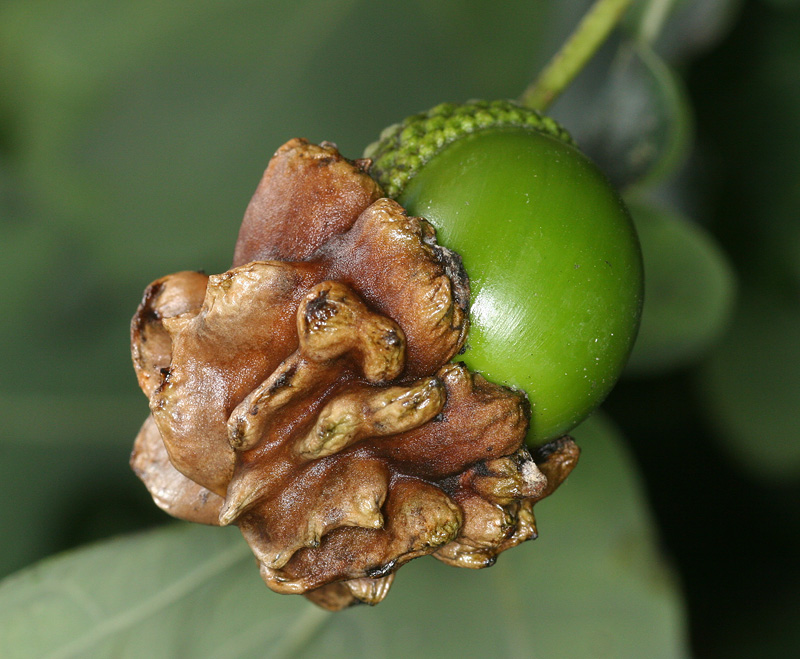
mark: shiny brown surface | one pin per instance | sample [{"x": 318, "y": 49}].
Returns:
[{"x": 307, "y": 194}]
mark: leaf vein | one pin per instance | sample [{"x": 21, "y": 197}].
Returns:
[{"x": 148, "y": 607}]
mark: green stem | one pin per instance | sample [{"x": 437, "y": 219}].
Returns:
[
  {"x": 653, "y": 18},
  {"x": 590, "y": 34}
]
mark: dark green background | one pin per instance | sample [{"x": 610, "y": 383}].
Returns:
[{"x": 132, "y": 135}]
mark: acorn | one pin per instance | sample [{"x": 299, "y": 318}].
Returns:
[{"x": 553, "y": 259}]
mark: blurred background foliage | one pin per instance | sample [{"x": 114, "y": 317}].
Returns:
[{"x": 132, "y": 135}]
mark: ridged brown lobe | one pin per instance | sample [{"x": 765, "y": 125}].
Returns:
[
  {"x": 171, "y": 490},
  {"x": 307, "y": 394},
  {"x": 308, "y": 194}
]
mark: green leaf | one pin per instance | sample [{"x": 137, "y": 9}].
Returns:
[
  {"x": 59, "y": 499},
  {"x": 751, "y": 386},
  {"x": 639, "y": 127},
  {"x": 593, "y": 583},
  {"x": 689, "y": 291},
  {"x": 692, "y": 26}
]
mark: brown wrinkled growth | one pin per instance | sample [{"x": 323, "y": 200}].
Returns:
[{"x": 307, "y": 395}]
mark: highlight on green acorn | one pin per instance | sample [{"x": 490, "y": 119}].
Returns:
[{"x": 553, "y": 258}]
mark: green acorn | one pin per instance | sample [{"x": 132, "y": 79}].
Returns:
[{"x": 553, "y": 259}]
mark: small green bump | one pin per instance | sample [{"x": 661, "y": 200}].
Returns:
[
  {"x": 436, "y": 123},
  {"x": 427, "y": 150},
  {"x": 450, "y": 133},
  {"x": 484, "y": 118}
]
